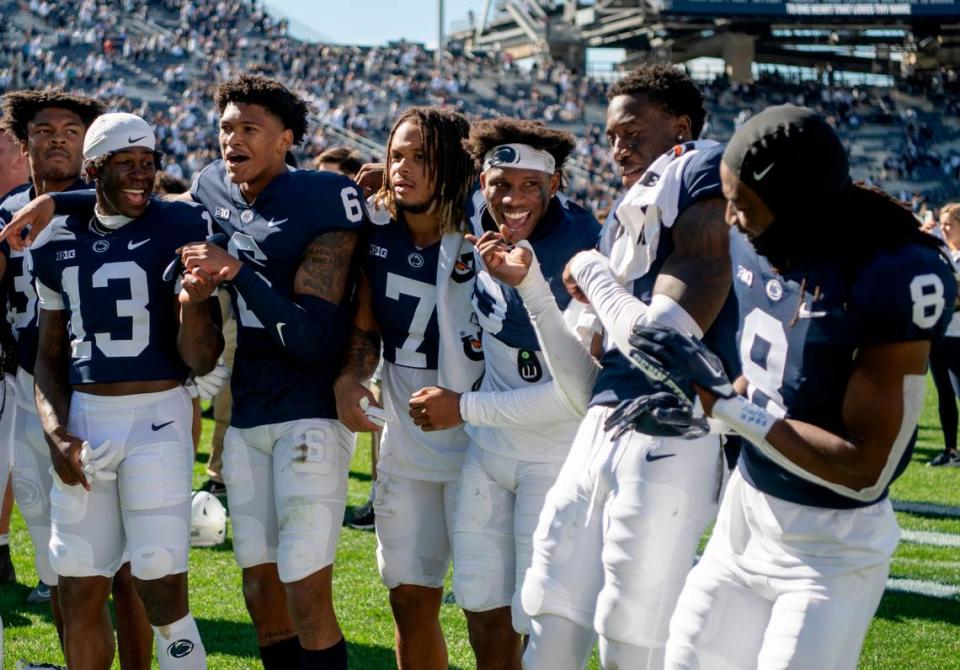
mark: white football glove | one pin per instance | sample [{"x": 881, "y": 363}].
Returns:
[
  {"x": 210, "y": 384},
  {"x": 96, "y": 462},
  {"x": 376, "y": 415}
]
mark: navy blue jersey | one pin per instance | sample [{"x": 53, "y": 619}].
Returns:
[
  {"x": 270, "y": 384},
  {"x": 403, "y": 279},
  {"x": 800, "y": 331},
  {"x": 565, "y": 229},
  {"x": 618, "y": 379},
  {"x": 18, "y": 280},
  {"x": 123, "y": 318}
]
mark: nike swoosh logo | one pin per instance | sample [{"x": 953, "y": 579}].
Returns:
[
  {"x": 650, "y": 458},
  {"x": 806, "y": 313},
  {"x": 715, "y": 371},
  {"x": 271, "y": 223},
  {"x": 760, "y": 175},
  {"x": 280, "y": 326},
  {"x": 131, "y": 245},
  {"x": 134, "y": 140},
  {"x": 156, "y": 427}
]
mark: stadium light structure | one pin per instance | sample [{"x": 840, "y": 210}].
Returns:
[{"x": 438, "y": 57}]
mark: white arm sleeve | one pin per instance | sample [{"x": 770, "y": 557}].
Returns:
[
  {"x": 48, "y": 298},
  {"x": 523, "y": 408},
  {"x": 573, "y": 368},
  {"x": 619, "y": 311}
]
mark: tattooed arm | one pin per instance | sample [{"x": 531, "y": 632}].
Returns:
[
  {"x": 304, "y": 323},
  {"x": 697, "y": 275},
  {"x": 360, "y": 359}
]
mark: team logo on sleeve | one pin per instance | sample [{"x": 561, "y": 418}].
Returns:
[
  {"x": 463, "y": 269},
  {"x": 472, "y": 346},
  {"x": 528, "y": 366}
]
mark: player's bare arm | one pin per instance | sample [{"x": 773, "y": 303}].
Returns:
[
  {"x": 697, "y": 274},
  {"x": 53, "y": 391},
  {"x": 360, "y": 359},
  {"x": 326, "y": 265},
  {"x": 199, "y": 339},
  {"x": 877, "y": 380}
]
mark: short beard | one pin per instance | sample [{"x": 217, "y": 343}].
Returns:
[
  {"x": 59, "y": 175},
  {"x": 416, "y": 209}
]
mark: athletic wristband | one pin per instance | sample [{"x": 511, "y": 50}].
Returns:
[{"x": 747, "y": 419}]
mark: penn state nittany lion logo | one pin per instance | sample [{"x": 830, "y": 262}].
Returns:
[
  {"x": 504, "y": 155},
  {"x": 180, "y": 648}
]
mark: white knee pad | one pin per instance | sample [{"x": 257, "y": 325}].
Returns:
[
  {"x": 250, "y": 546},
  {"x": 151, "y": 562},
  {"x": 71, "y": 556}
]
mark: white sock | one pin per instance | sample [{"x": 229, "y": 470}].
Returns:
[
  {"x": 4, "y": 539},
  {"x": 179, "y": 646}
]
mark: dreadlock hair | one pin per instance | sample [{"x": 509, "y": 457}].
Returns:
[
  {"x": 490, "y": 133},
  {"x": 666, "y": 86},
  {"x": 875, "y": 220},
  {"x": 255, "y": 89},
  {"x": 441, "y": 133},
  {"x": 20, "y": 108}
]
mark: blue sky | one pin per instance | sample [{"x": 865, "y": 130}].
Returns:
[{"x": 374, "y": 21}]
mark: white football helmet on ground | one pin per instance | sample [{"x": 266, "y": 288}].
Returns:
[{"x": 208, "y": 520}]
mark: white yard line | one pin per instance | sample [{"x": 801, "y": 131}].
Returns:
[
  {"x": 923, "y": 588},
  {"x": 930, "y": 537}
]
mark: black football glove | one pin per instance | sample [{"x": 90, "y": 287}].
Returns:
[
  {"x": 659, "y": 414},
  {"x": 669, "y": 352}
]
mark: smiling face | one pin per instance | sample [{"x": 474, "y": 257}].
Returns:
[
  {"x": 518, "y": 198},
  {"x": 745, "y": 209},
  {"x": 950, "y": 225},
  {"x": 253, "y": 143},
  {"x": 413, "y": 187},
  {"x": 639, "y": 131},
  {"x": 125, "y": 182},
  {"x": 55, "y": 144}
]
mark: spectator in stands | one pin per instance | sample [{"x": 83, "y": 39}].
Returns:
[{"x": 341, "y": 160}]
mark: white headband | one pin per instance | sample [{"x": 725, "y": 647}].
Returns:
[{"x": 521, "y": 157}]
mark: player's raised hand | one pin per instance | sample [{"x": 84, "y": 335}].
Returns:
[
  {"x": 34, "y": 217},
  {"x": 506, "y": 262},
  {"x": 660, "y": 414},
  {"x": 570, "y": 283},
  {"x": 66, "y": 455},
  {"x": 215, "y": 261},
  {"x": 370, "y": 177},
  {"x": 681, "y": 357},
  {"x": 354, "y": 404},
  {"x": 435, "y": 408}
]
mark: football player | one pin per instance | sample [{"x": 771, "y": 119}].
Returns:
[
  {"x": 519, "y": 422},
  {"x": 414, "y": 297},
  {"x": 619, "y": 529},
  {"x": 49, "y": 126},
  {"x": 114, "y": 347},
  {"x": 292, "y": 235},
  {"x": 834, "y": 341}
]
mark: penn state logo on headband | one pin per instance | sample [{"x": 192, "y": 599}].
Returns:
[{"x": 520, "y": 156}]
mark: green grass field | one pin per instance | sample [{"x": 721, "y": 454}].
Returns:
[{"x": 911, "y": 630}]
